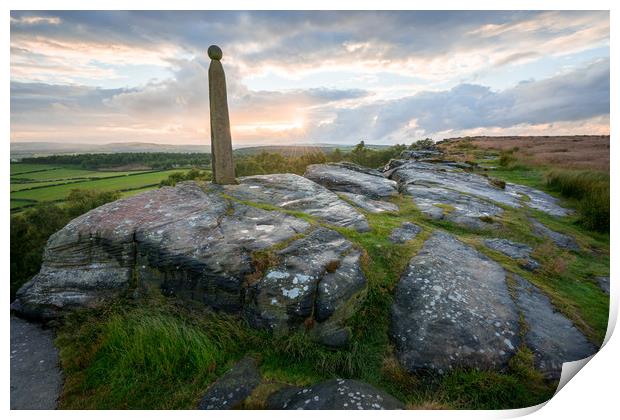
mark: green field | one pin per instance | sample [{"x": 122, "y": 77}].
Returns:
[
  {"x": 67, "y": 173},
  {"x": 34, "y": 183},
  {"x": 21, "y": 168}
]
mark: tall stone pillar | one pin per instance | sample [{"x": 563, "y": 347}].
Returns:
[{"x": 221, "y": 145}]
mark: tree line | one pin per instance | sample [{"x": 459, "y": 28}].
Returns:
[{"x": 154, "y": 160}]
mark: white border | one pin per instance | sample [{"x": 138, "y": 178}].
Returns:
[{"x": 591, "y": 395}]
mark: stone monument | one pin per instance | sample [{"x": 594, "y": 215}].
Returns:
[{"x": 221, "y": 145}]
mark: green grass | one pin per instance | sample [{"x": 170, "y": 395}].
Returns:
[
  {"x": 59, "y": 192},
  {"x": 590, "y": 189},
  {"x": 143, "y": 357}
]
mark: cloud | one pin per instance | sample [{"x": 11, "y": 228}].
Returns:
[
  {"x": 579, "y": 95},
  {"x": 427, "y": 44},
  {"x": 306, "y": 76}
]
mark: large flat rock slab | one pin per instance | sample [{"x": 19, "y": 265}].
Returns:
[
  {"x": 36, "y": 378},
  {"x": 538, "y": 200},
  {"x": 335, "y": 394},
  {"x": 551, "y": 336},
  {"x": 445, "y": 204},
  {"x": 445, "y": 176},
  {"x": 348, "y": 178},
  {"x": 195, "y": 242},
  {"x": 449, "y": 177},
  {"x": 368, "y": 204},
  {"x": 452, "y": 308},
  {"x": 294, "y": 192}
]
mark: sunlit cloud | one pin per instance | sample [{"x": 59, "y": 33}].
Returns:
[{"x": 331, "y": 77}]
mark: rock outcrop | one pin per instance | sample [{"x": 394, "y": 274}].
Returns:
[
  {"x": 196, "y": 242},
  {"x": 352, "y": 179},
  {"x": 294, "y": 192},
  {"x": 463, "y": 209},
  {"x": 452, "y": 308},
  {"x": 318, "y": 278},
  {"x": 473, "y": 200},
  {"x": 368, "y": 204},
  {"x": 272, "y": 249}
]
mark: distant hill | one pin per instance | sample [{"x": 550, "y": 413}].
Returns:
[{"x": 36, "y": 149}]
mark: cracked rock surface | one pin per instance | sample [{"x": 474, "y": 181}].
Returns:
[
  {"x": 454, "y": 307},
  {"x": 319, "y": 276},
  {"x": 440, "y": 203},
  {"x": 368, "y": 204}
]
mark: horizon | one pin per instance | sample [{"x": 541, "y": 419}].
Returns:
[{"x": 381, "y": 77}]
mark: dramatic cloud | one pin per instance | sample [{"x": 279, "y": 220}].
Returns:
[{"x": 307, "y": 76}]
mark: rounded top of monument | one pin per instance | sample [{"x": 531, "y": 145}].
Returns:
[{"x": 215, "y": 52}]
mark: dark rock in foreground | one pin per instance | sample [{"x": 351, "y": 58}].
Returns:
[
  {"x": 335, "y": 394},
  {"x": 231, "y": 389},
  {"x": 551, "y": 336},
  {"x": 452, "y": 308},
  {"x": 345, "y": 178},
  {"x": 514, "y": 250}
]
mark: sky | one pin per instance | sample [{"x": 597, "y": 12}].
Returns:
[{"x": 308, "y": 77}]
